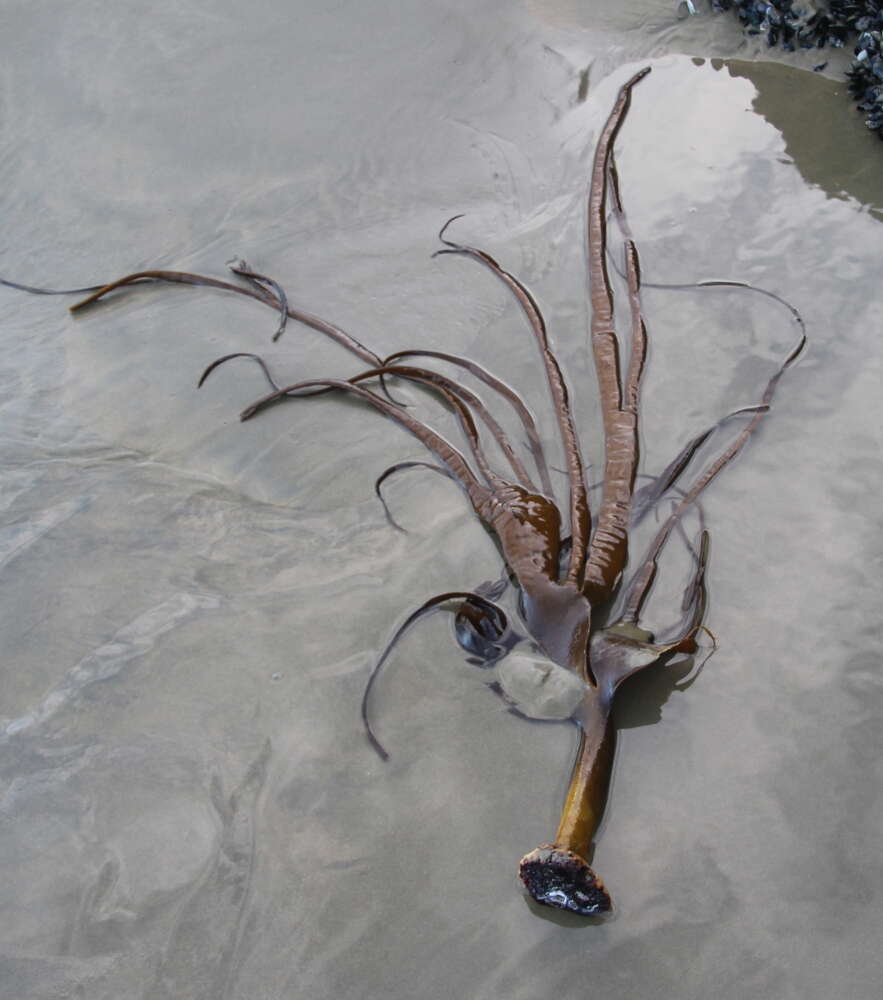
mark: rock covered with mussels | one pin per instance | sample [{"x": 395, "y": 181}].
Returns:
[{"x": 836, "y": 23}]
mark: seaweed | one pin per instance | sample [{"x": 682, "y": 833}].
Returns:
[{"x": 580, "y": 591}]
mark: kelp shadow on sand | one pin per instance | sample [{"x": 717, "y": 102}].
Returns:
[{"x": 577, "y": 633}]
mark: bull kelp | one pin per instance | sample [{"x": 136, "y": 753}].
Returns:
[{"x": 581, "y": 591}]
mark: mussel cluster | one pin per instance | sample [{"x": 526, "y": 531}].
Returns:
[
  {"x": 866, "y": 73},
  {"x": 777, "y": 18},
  {"x": 835, "y": 23}
]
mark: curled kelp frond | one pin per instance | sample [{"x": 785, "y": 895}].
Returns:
[
  {"x": 261, "y": 281},
  {"x": 392, "y": 470},
  {"x": 492, "y": 611},
  {"x": 239, "y": 354}
]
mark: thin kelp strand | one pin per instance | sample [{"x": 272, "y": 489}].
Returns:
[
  {"x": 688, "y": 286},
  {"x": 239, "y": 354},
  {"x": 649, "y": 495},
  {"x": 49, "y": 291},
  {"x": 241, "y": 267},
  {"x": 640, "y": 586},
  {"x": 264, "y": 367},
  {"x": 739, "y": 443},
  {"x": 521, "y": 474},
  {"x": 519, "y": 470},
  {"x": 456, "y": 396},
  {"x": 425, "y": 608},
  {"x": 725, "y": 283},
  {"x": 580, "y": 519},
  {"x": 337, "y": 334},
  {"x": 530, "y": 429},
  {"x": 400, "y": 467},
  {"x": 636, "y": 592},
  {"x": 255, "y": 292},
  {"x": 638, "y": 350},
  {"x": 468, "y": 397},
  {"x": 616, "y": 194},
  {"x": 430, "y": 438},
  {"x": 451, "y": 393},
  {"x": 695, "y": 598}
]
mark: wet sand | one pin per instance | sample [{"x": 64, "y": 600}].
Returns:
[{"x": 190, "y": 605}]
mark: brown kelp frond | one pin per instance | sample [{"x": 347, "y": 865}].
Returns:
[
  {"x": 527, "y": 525},
  {"x": 426, "y": 435},
  {"x": 730, "y": 283},
  {"x": 638, "y": 588},
  {"x": 263, "y": 289},
  {"x": 239, "y": 354},
  {"x": 173, "y": 277},
  {"x": 608, "y": 552},
  {"x": 49, "y": 291},
  {"x": 337, "y": 334},
  {"x": 265, "y": 284},
  {"x": 604, "y": 341},
  {"x": 721, "y": 283},
  {"x": 399, "y": 467},
  {"x": 426, "y": 375},
  {"x": 509, "y": 394},
  {"x": 742, "y": 438},
  {"x": 434, "y": 602},
  {"x": 256, "y": 291},
  {"x": 457, "y": 397},
  {"x": 264, "y": 367},
  {"x": 649, "y": 495},
  {"x": 580, "y": 520},
  {"x": 240, "y": 267}
]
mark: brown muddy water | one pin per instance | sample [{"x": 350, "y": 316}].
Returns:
[{"x": 190, "y": 605}]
